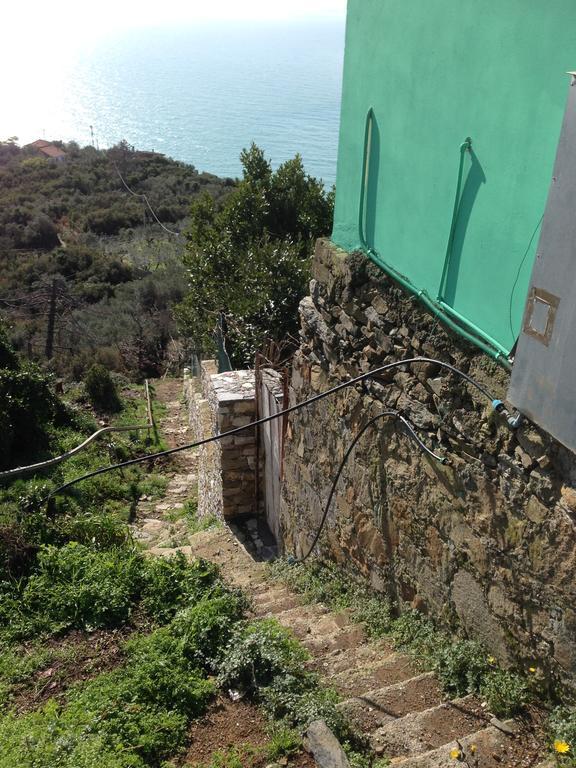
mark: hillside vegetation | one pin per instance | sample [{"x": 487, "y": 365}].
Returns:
[
  {"x": 72, "y": 238},
  {"x": 89, "y": 274}
]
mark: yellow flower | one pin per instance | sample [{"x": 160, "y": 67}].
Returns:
[
  {"x": 533, "y": 670},
  {"x": 491, "y": 660},
  {"x": 562, "y": 747},
  {"x": 472, "y": 749},
  {"x": 455, "y": 753}
]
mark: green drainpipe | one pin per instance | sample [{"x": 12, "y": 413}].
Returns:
[{"x": 472, "y": 334}]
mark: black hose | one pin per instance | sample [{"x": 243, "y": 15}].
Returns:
[
  {"x": 411, "y": 433},
  {"x": 264, "y": 420}
]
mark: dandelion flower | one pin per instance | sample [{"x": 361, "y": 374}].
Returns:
[
  {"x": 562, "y": 747},
  {"x": 455, "y": 753},
  {"x": 472, "y": 749},
  {"x": 491, "y": 660},
  {"x": 533, "y": 670}
]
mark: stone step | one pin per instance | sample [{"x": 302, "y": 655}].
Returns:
[
  {"x": 278, "y": 603},
  {"x": 419, "y": 732},
  {"x": 375, "y": 708},
  {"x": 385, "y": 670},
  {"x": 350, "y": 637},
  {"x": 487, "y": 747},
  {"x": 341, "y": 659}
]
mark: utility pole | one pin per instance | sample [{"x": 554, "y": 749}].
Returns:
[{"x": 51, "y": 322}]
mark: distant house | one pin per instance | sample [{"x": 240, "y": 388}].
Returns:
[{"x": 47, "y": 149}]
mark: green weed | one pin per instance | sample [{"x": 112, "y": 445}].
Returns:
[
  {"x": 265, "y": 660},
  {"x": 283, "y": 741},
  {"x": 138, "y": 714},
  {"x": 507, "y": 693},
  {"x": 462, "y": 666},
  {"x": 195, "y": 524},
  {"x": 562, "y": 731}
]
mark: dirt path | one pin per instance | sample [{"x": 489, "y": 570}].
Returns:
[{"x": 401, "y": 710}]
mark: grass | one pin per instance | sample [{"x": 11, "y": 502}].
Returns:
[
  {"x": 462, "y": 666},
  {"x": 189, "y": 513},
  {"x": 138, "y": 714}
]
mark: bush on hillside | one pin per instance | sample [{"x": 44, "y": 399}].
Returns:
[
  {"x": 28, "y": 408},
  {"x": 101, "y": 390}
]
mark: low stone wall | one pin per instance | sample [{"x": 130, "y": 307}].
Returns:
[
  {"x": 488, "y": 542},
  {"x": 217, "y": 403}
]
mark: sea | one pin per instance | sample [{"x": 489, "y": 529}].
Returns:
[{"x": 199, "y": 94}]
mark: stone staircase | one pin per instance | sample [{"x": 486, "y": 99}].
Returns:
[{"x": 401, "y": 710}]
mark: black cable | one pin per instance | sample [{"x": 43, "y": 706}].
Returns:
[
  {"x": 411, "y": 433},
  {"x": 264, "y": 420}
]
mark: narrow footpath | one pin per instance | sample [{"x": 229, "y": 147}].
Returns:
[{"x": 402, "y": 710}]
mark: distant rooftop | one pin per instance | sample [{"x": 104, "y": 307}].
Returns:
[{"x": 48, "y": 149}]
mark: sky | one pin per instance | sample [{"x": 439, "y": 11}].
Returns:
[
  {"x": 35, "y": 31},
  {"x": 28, "y": 17}
]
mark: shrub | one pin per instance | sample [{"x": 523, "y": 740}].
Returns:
[
  {"x": 101, "y": 389},
  {"x": 76, "y": 586},
  {"x": 461, "y": 665},
  {"x": 259, "y": 652},
  {"x": 506, "y": 693},
  {"x": 28, "y": 407},
  {"x": 207, "y": 627},
  {"x": 171, "y": 583}
]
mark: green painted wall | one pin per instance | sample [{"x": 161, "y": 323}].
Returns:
[{"x": 436, "y": 72}]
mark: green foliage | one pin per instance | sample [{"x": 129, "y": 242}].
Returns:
[
  {"x": 259, "y": 652},
  {"x": 329, "y": 584},
  {"x": 506, "y": 693},
  {"x": 283, "y": 741},
  {"x": 138, "y": 714},
  {"x": 134, "y": 716},
  {"x": 171, "y": 583},
  {"x": 28, "y": 408},
  {"x": 101, "y": 389},
  {"x": 462, "y": 666},
  {"x": 562, "y": 728},
  {"x": 230, "y": 758},
  {"x": 72, "y": 586},
  {"x": 264, "y": 659},
  {"x": 359, "y": 759},
  {"x": 118, "y": 270},
  {"x": 249, "y": 256},
  {"x": 189, "y": 512}
]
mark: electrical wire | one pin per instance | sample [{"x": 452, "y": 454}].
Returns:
[
  {"x": 265, "y": 419},
  {"x": 384, "y": 414},
  {"x": 520, "y": 265},
  {"x": 142, "y": 196}
]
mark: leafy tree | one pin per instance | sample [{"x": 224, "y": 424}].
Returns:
[{"x": 249, "y": 257}]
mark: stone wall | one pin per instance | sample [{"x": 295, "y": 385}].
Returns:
[
  {"x": 217, "y": 403},
  {"x": 487, "y": 543}
]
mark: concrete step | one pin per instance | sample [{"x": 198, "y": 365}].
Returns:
[
  {"x": 419, "y": 732},
  {"x": 375, "y": 708},
  {"x": 487, "y": 747}
]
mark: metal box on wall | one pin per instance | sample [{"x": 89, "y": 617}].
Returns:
[{"x": 543, "y": 381}]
